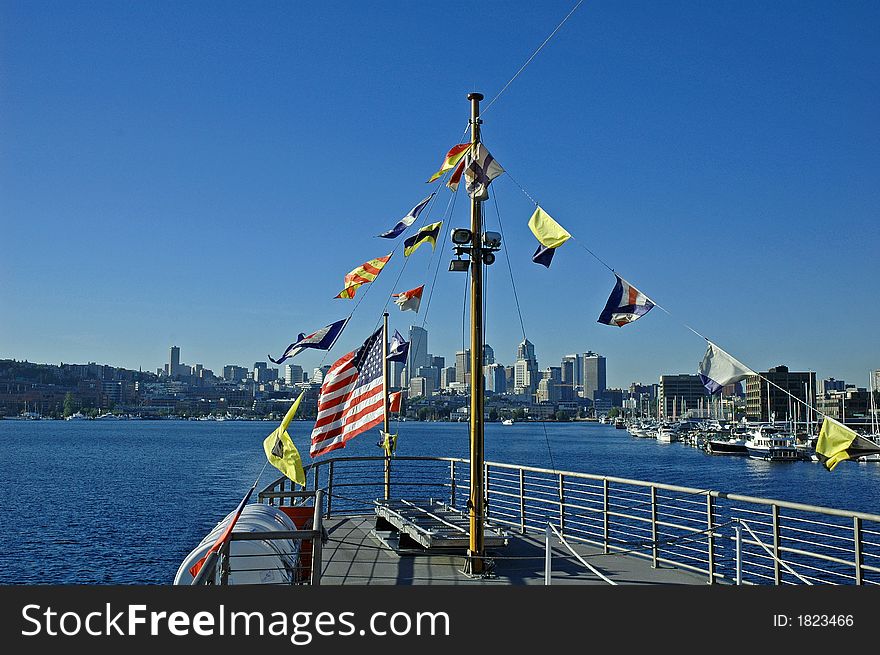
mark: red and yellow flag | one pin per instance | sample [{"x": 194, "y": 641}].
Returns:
[
  {"x": 366, "y": 272},
  {"x": 452, "y": 158}
]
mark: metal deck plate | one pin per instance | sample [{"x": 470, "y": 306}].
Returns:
[{"x": 433, "y": 524}]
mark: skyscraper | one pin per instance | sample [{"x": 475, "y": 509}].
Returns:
[
  {"x": 525, "y": 369},
  {"x": 594, "y": 374},
  {"x": 174, "y": 365},
  {"x": 463, "y": 366},
  {"x": 417, "y": 357},
  {"x": 488, "y": 355}
]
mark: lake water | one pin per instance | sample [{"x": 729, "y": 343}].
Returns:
[{"x": 122, "y": 502}]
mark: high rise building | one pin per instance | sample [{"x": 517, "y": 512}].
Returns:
[
  {"x": 574, "y": 362},
  {"x": 293, "y": 374},
  {"x": 594, "y": 374},
  {"x": 174, "y": 365},
  {"x": 765, "y": 399},
  {"x": 419, "y": 386},
  {"x": 488, "y": 354},
  {"x": 447, "y": 376},
  {"x": 319, "y": 373},
  {"x": 463, "y": 366},
  {"x": 418, "y": 351},
  {"x": 496, "y": 379},
  {"x": 525, "y": 369}
]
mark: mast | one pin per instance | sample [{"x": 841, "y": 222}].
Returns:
[
  {"x": 476, "y": 552},
  {"x": 385, "y": 388}
]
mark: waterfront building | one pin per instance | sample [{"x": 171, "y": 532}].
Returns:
[
  {"x": 594, "y": 374},
  {"x": 851, "y": 406},
  {"x": 831, "y": 385},
  {"x": 679, "y": 394},
  {"x": 764, "y": 401}
]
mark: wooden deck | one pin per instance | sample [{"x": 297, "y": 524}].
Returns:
[{"x": 355, "y": 555}]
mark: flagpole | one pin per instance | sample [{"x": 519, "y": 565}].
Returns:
[
  {"x": 385, "y": 387},
  {"x": 476, "y": 564}
]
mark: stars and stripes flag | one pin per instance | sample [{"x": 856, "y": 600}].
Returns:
[
  {"x": 352, "y": 397},
  {"x": 625, "y": 304},
  {"x": 366, "y": 272}
]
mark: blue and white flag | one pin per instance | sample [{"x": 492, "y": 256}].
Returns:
[
  {"x": 625, "y": 304},
  {"x": 398, "y": 348},
  {"x": 718, "y": 369},
  {"x": 407, "y": 220},
  {"x": 323, "y": 339}
]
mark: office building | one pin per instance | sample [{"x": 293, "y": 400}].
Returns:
[
  {"x": 594, "y": 374},
  {"x": 679, "y": 394},
  {"x": 174, "y": 366},
  {"x": 463, "y": 366},
  {"x": 767, "y": 400}
]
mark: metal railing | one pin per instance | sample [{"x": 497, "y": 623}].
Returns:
[
  {"x": 291, "y": 563},
  {"x": 698, "y": 530}
]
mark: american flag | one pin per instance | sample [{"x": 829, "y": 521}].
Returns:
[{"x": 352, "y": 397}]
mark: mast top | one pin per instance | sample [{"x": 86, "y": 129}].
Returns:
[{"x": 475, "y": 96}]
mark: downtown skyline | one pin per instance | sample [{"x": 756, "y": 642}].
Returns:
[{"x": 162, "y": 190}]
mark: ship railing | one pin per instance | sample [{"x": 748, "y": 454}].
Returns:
[
  {"x": 296, "y": 555},
  {"x": 699, "y": 530}
]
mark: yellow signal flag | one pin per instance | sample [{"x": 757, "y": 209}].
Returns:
[
  {"x": 451, "y": 159},
  {"x": 281, "y": 452},
  {"x": 550, "y": 233},
  {"x": 837, "y": 442}
]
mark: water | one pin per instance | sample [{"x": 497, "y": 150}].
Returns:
[{"x": 122, "y": 502}]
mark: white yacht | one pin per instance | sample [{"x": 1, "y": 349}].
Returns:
[{"x": 772, "y": 444}]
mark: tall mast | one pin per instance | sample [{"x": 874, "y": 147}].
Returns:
[
  {"x": 476, "y": 565},
  {"x": 385, "y": 387}
]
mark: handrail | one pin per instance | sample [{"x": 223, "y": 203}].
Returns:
[
  {"x": 830, "y": 511},
  {"x": 650, "y": 520}
]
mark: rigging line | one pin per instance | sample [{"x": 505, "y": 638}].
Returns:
[
  {"x": 534, "y": 54},
  {"x": 510, "y": 269},
  {"x": 439, "y": 261}
]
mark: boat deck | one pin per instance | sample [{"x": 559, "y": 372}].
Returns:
[{"x": 356, "y": 555}]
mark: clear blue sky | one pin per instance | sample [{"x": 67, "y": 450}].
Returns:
[{"x": 204, "y": 174}]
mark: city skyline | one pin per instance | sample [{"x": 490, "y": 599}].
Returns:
[{"x": 159, "y": 189}]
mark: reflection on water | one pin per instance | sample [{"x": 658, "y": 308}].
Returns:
[{"x": 123, "y": 502}]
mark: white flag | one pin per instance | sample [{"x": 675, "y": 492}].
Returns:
[
  {"x": 718, "y": 369},
  {"x": 479, "y": 170}
]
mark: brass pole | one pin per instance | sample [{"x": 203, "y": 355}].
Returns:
[
  {"x": 477, "y": 494},
  {"x": 385, "y": 387}
]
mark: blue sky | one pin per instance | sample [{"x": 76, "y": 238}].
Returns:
[{"x": 204, "y": 174}]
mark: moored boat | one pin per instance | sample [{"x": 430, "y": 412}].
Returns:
[{"x": 772, "y": 444}]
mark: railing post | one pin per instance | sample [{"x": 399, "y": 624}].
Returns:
[
  {"x": 605, "y": 514},
  {"x": 710, "y": 537},
  {"x": 654, "y": 549},
  {"x": 777, "y": 571},
  {"x": 315, "y": 477},
  {"x": 224, "y": 562},
  {"x": 739, "y": 563},
  {"x": 547, "y": 555},
  {"x": 486, "y": 489},
  {"x": 857, "y": 541},
  {"x": 561, "y": 503},
  {"x": 452, "y": 484},
  {"x": 317, "y": 544},
  {"x": 522, "y": 501},
  {"x": 330, "y": 489}
]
